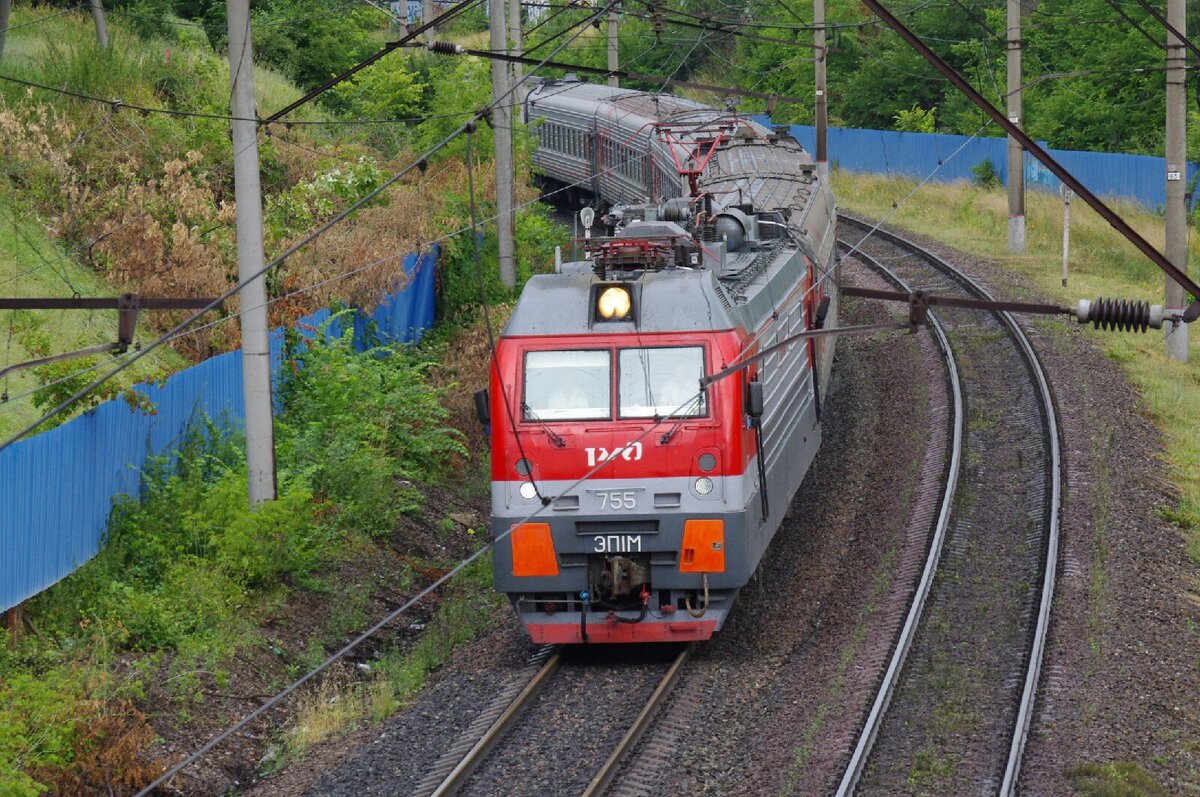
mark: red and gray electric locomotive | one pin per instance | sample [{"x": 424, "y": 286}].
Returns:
[{"x": 658, "y": 489}]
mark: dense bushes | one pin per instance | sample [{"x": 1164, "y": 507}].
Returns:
[
  {"x": 358, "y": 424},
  {"x": 190, "y": 571}
]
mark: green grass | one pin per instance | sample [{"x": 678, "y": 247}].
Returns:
[
  {"x": 1102, "y": 263},
  {"x": 1115, "y": 779},
  {"x": 340, "y": 702},
  {"x": 32, "y": 265},
  {"x": 41, "y": 51}
]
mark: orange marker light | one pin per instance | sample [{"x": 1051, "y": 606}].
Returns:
[
  {"x": 533, "y": 550},
  {"x": 703, "y": 547}
]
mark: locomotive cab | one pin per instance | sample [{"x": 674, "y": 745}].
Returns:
[
  {"x": 643, "y": 453},
  {"x": 625, "y": 480}
]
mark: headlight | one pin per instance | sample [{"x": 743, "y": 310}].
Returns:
[
  {"x": 704, "y": 485},
  {"x": 614, "y": 303},
  {"x": 528, "y": 491}
]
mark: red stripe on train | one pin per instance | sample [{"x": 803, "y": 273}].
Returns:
[{"x": 605, "y": 632}]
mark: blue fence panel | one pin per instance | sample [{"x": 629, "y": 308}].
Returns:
[
  {"x": 58, "y": 487},
  {"x": 946, "y": 158},
  {"x": 403, "y": 319}
]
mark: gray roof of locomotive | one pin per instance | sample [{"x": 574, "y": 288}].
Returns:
[{"x": 773, "y": 171}]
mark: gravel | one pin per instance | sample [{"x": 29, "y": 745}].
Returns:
[{"x": 762, "y": 708}]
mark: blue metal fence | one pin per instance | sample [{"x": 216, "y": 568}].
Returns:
[
  {"x": 948, "y": 158},
  {"x": 58, "y": 487}
]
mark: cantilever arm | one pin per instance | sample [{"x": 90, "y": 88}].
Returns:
[{"x": 53, "y": 358}]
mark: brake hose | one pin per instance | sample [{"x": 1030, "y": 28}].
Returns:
[{"x": 687, "y": 602}]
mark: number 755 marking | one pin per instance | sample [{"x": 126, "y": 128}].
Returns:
[{"x": 613, "y": 500}]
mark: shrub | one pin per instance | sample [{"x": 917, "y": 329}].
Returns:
[
  {"x": 312, "y": 40},
  {"x": 355, "y": 423},
  {"x": 915, "y": 120},
  {"x": 983, "y": 174},
  {"x": 292, "y": 212}
]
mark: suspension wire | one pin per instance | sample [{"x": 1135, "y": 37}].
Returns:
[
  {"x": 827, "y": 274},
  {"x": 118, "y": 105},
  {"x": 304, "y": 241},
  {"x": 257, "y": 26},
  {"x": 1170, "y": 28},
  {"x": 43, "y": 19},
  {"x": 545, "y": 501},
  {"x": 46, "y": 262},
  {"x": 387, "y": 619},
  {"x": 334, "y": 278},
  {"x": 896, "y": 205}
]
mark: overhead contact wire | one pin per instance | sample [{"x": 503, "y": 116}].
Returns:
[
  {"x": 175, "y": 770},
  {"x": 423, "y": 159}
]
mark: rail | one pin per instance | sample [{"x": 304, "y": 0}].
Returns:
[
  {"x": 1024, "y": 714},
  {"x": 862, "y": 749},
  {"x": 458, "y": 775},
  {"x": 609, "y": 770}
]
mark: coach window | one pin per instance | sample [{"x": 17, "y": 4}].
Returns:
[
  {"x": 661, "y": 382},
  {"x": 568, "y": 385}
]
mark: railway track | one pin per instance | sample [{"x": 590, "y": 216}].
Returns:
[
  {"x": 502, "y": 719},
  {"x": 990, "y": 760},
  {"x": 929, "y": 725}
]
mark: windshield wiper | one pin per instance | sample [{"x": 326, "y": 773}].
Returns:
[
  {"x": 553, "y": 435},
  {"x": 685, "y": 411}
]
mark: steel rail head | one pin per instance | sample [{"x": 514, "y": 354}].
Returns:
[
  {"x": 475, "y": 756},
  {"x": 866, "y": 740},
  {"x": 608, "y": 771},
  {"x": 1024, "y": 716}
]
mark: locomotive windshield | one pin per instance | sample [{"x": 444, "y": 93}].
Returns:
[
  {"x": 567, "y": 385},
  {"x": 576, "y": 384},
  {"x": 660, "y": 382}
]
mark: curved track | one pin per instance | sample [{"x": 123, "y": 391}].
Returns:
[
  {"x": 858, "y": 758},
  {"x": 1029, "y": 588}
]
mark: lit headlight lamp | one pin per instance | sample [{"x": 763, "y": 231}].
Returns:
[{"x": 613, "y": 302}]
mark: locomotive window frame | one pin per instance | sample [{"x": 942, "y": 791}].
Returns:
[
  {"x": 567, "y": 395},
  {"x": 661, "y": 409}
]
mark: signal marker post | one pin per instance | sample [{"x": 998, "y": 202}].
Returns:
[{"x": 256, "y": 352}]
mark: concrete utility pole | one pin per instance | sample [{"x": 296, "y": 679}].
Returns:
[
  {"x": 101, "y": 23},
  {"x": 256, "y": 352},
  {"x": 613, "y": 53},
  {"x": 1177, "y": 229},
  {"x": 819, "y": 55},
  {"x": 514, "y": 36},
  {"x": 5, "y": 12},
  {"x": 502, "y": 130},
  {"x": 1016, "y": 160},
  {"x": 427, "y": 16}
]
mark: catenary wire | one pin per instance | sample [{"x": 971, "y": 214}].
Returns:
[
  {"x": 42, "y": 19},
  {"x": 446, "y": 16},
  {"x": 166, "y": 776},
  {"x": 343, "y": 275},
  {"x": 320, "y": 230}
]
